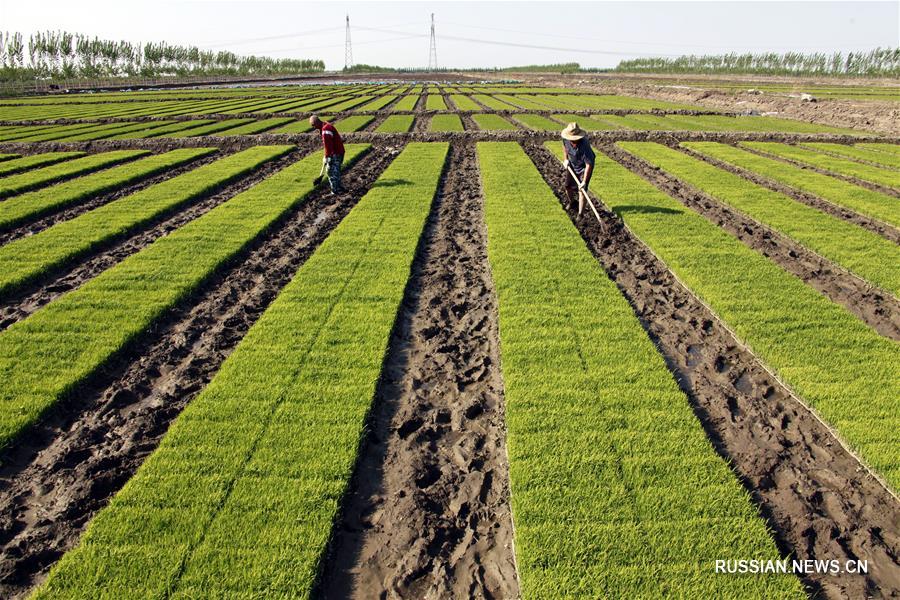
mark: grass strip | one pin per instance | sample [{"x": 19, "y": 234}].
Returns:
[
  {"x": 34, "y": 161},
  {"x": 493, "y": 122},
  {"x": 445, "y": 123},
  {"x": 406, "y": 103},
  {"x": 493, "y": 102},
  {"x": 348, "y": 104},
  {"x": 860, "y": 251},
  {"x": 396, "y": 124},
  {"x": 5, "y": 157},
  {"x": 885, "y": 159},
  {"x": 590, "y": 123},
  {"x": 435, "y": 102},
  {"x": 818, "y": 347},
  {"x": 615, "y": 489},
  {"x": 892, "y": 148},
  {"x": 214, "y": 128},
  {"x": 842, "y": 193},
  {"x": 378, "y": 103},
  {"x": 538, "y": 122},
  {"x": 240, "y": 496},
  {"x": 49, "y": 133},
  {"x": 145, "y": 130},
  {"x": 353, "y": 123},
  {"x": 45, "y": 356},
  {"x": 521, "y": 102},
  {"x": 840, "y": 166},
  {"x": 463, "y": 102},
  {"x": 22, "y": 182},
  {"x": 258, "y": 126},
  {"x": 299, "y": 126},
  {"x": 110, "y": 131},
  {"x": 32, "y": 205},
  {"x": 26, "y": 259}
]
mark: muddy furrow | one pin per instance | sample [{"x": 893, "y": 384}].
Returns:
[
  {"x": 877, "y": 308},
  {"x": 874, "y": 225},
  {"x": 875, "y": 187},
  {"x": 73, "y": 462},
  {"x": 376, "y": 123},
  {"x": 95, "y": 201},
  {"x": 469, "y": 123},
  {"x": 32, "y": 297},
  {"x": 419, "y": 126},
  {"x": 427, "y": 513},
  {"x": 817, "y": 497}
]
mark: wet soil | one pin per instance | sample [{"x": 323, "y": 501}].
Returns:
[
  {"x": 877, "y": 308},
  {"x": 819, "y": 500},
  {"x": 90, "y": 445},
  {"x": 427, "y": 515}
]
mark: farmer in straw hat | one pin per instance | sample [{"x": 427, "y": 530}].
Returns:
[{"x": 580, "y": 157}]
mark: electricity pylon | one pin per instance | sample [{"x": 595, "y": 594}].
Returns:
[
  {"x": 432, "y": 51},
  {"x": 348, "y": 50}
]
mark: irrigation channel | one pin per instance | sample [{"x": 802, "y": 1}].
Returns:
[{"x": 427, "y": 512}]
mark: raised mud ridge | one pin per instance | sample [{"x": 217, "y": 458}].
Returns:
[
  {"x": 817, "y": 497},
  {"x": 78, "y": 457},
  {"x": 427, "y": 515},
  {"x": 878, "y": 309}
]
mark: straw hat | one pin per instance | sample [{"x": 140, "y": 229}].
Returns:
[{"x": 573, "y": 132}]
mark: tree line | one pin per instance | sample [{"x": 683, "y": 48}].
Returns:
[
  {"x": 63, "y": 55},
  {"x": 880, "y": 62}
]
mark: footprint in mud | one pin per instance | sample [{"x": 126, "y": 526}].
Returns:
[
  {"x": 409, "y": 426},
  {"x": 428, "y": 478}
]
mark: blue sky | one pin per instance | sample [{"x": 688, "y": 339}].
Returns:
[{"x": 596, "y": 34}]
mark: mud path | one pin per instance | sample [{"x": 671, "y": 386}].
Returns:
[
  {"x": 874, "y": 225},
  {"x": 33, "y": 296},
  {"x": 427, "y": 515},
  {"x": 419, "y": 126},
  {"x": 817, "y": 497},
  {"x": 881, "y": 189},
  {"x": 87, "y": 448},
  {"x": 93, "y": 202},
  {"x": 877, "y": 308}
]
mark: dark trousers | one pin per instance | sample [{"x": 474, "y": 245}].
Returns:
[{"x": 333, "y": 164}]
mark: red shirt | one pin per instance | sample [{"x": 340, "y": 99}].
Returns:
[{"x": 332, "y": 140}]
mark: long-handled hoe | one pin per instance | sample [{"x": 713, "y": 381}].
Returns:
[
  {"x": 583, "y": 192},
  {"x": 318, "y": 179}
]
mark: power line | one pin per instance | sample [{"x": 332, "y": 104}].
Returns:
[
  {"x": 269, "y": 38},
  {"x": 517, "y": 45},
  {"x": 595, "y": 39}
]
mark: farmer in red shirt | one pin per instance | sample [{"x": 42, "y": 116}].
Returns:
[{"x": 334, "y": 152}]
